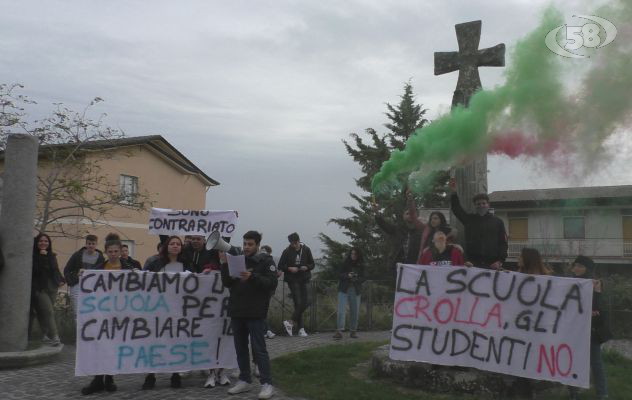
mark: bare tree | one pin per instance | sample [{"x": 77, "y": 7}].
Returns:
[{"x": 72, "y": 186}]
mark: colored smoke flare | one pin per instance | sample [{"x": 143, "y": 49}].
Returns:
[{"x": 534, "y": 114}]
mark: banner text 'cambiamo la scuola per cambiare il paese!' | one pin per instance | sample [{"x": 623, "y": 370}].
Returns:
[{"x": 138, "y": 322}]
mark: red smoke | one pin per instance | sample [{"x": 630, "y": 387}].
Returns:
[{"x": 514, "y": 144}]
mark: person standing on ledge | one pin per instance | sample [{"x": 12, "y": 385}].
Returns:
[
  {"x": 297, "y": 264},
  {"x": 485, "y": 236}
]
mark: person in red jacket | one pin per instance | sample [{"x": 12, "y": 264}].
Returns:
[{"x": 440, "y": 253}]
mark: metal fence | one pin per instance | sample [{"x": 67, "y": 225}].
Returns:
[
  {"x": 376, "y": 306},
  {"x": 376, "y": 309}
]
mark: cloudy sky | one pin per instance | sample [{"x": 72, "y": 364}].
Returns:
[{"x": 259, "y": 94}]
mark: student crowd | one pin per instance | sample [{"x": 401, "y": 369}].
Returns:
[{"x": 425, "y": 243}]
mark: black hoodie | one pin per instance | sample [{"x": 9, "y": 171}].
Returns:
[{"x": 75, "y": 263}]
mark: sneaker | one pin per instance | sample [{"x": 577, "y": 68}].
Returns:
[
  {"x": 353, "y": 335},
  {"x": 267, "y": 391},
  {"x": 270, "y": 334},
  {"x": 222, "y": 378},
  {"x": 338, "y": 335},
  {"x": 240, "y": 387},
  {"x": 210, "y": 381},
  {"x": 288, "y": 327},
  {"x": 235, "y": 374},
  {"x": 109, "y": 384},
  {"x": 176, "y": 381},
  {"x": 302, "y": 333},
  {"x": 46, "y": 340},
  {"x": 96, "y": 385},
  {"x": 150, "y": 382},
  {"x": 255, "y": 370},
  {"x": 55, "y": 341}
]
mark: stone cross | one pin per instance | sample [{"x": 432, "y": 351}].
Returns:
[{"x": 471, "y": 178}]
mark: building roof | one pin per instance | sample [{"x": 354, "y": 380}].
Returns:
[
  {"x": 156, "y": 143},
  {"x": 585, "y": 195}
]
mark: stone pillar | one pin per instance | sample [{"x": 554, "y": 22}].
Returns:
[{"x": 16, "y": 240}]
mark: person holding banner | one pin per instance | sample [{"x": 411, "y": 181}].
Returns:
[
  {"x": 46, "y": 279},
  {"x": 600, "y": 333},
  {"x": 85, "y": 258},
  {"x": 436, "y": 222},
  {"x": 297, "y": 262},
  {"x": 485, "y": 236},
  {"x": 247, "y": 305},
  {"x": 349, "y": 290},
  {"x": 530, "y": 262},
  {"x": 171, "y": 260},
  {"x": 113, "y": 247},
  {"x": 440, "y": 253}
]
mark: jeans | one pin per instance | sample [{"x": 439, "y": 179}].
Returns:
[
  {"x": 598, "y": 372},
  {"x": 354, "y": 309},
  {"x": 242, "y": 329},
  {"x": 298, "y": 290},
  {"x": 43, "y": 301},
  {"x": 74, "y": 297}
]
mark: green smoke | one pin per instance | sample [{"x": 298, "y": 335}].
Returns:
[{"x": 534, "y": 101}]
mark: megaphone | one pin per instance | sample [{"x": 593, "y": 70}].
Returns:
[{"x": 215, "y": 242}]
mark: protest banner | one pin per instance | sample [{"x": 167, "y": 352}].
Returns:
[
  {"x": 133, "y": 322},
  {"x": 533, "y": 326},
  {"x": 164, "y": 221}
]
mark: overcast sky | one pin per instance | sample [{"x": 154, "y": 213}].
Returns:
[{"x": 259, "y": 94}]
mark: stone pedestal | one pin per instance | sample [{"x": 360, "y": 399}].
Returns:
[{"x": 442, "y": 379}]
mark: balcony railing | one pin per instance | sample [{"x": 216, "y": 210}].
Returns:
[{"x": 607, "y": 248}]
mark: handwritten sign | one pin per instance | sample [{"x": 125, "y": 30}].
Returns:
[
  {"x": 531, "y": 326},
  {"x": 163, "y": 221},
  {"x": 131, "y": 322}
]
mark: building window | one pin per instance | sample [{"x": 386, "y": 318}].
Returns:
[
  {"x": 518, "y": 229},
  {"x": 574, "y": 227},
  {"x": 128, "y": 188}
]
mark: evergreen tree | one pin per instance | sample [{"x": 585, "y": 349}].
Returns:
[{"x": 379, "y": 248}]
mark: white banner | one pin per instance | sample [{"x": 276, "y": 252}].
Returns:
[
  {"x": 164, "y": 221},
  {"x": 532, "y": 326},
  {"x": 131, "y": 322}
]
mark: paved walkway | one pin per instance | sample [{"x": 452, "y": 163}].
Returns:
[{"x": 57, "y": 380}]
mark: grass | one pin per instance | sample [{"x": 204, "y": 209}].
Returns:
[{"x": 324, "y": 374}]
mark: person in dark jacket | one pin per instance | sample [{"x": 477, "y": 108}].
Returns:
[
  {"x": 197, "y": 257},
  {"x": 46, "y": 279},
  {"x": 485, "y": 236},
  {"x": 297, "y": 264},
  {"x": 113, "y": 263},
  {"x": 584, "y": 267},
  {"x": 440, "y": 253},
  {"x": 154, "y": 257},
  {"x": 269, "y": 333},
  {"x": 127, "y": 259},
  {"x": 351, "y": 277},
  {"x": 85, "y": 258},
  {"x": 247, "y": 306},
  {"x": 406, "y": 238}
]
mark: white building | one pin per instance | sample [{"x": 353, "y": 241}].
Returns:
[{"x": 566, "y": 222}]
